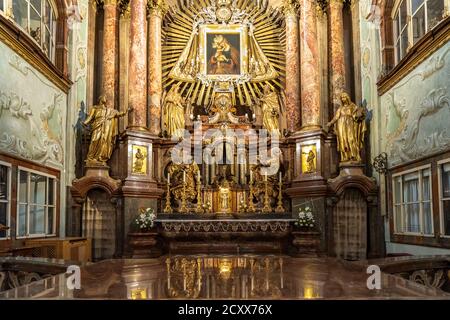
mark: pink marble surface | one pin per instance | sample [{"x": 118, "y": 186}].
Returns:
[
  {"x": 155, "y": 71},
  {"x": 310, "y": 86},
  {"x": 292, "y": 73},
  {"x": 137, "y": 99},
  {"x": 109, "y": 51},
  {"x": 337, "y": 59}
]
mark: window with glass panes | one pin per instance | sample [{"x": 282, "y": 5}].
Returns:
[
  {"x": 5, "y": 197},
  {"x": 444, "y": 185},
  {"x": 413, "y": 202},
  {"x": 38, "y": 19},
  {"x": 36, "y": 204},
  {"x": 414, "y": 18}
]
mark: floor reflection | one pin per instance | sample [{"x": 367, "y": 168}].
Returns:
[{"x": 222, "y": 277}]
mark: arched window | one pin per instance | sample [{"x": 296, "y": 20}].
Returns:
[
  {"x": 412, "y": 20},
  {"x": 37, "y": 18}
]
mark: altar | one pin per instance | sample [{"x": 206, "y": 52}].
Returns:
[{"x": 230, "y": 149}]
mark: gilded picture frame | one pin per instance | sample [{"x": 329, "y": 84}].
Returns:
[{"x": 223, "y": 52}]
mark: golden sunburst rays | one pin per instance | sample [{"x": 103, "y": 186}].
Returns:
[{"x": 268, "y": 30}]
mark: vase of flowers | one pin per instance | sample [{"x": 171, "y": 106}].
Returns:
[
  {"x": 143, "y": 241},
  {"x": 305, "y": 219},
  {"x": 305, "y": 237},
  {"x": 145, "y": 221}
]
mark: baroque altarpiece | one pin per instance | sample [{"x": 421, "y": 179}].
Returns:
[{"x": 222, "y": 116}]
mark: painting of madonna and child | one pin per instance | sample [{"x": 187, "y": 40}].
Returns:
[{"x": 223, "y": 53}]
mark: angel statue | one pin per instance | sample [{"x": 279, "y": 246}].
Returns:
[
  {"x": 350, "y": 127},
  {"x": 270, "y": 106},
  {"x": 173, "y": 105},
  {"x": 104, "y": 127}
]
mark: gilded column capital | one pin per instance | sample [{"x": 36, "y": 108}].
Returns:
[
  {"x": 124, "y": 8},
  {"x": 157, "y": 7},
  {"x": 291, "y": 7},
  {"x": 321, "y": 6}
]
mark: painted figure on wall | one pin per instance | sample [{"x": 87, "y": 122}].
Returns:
[
  {"x": 173, "y": 104},
  {"x": 104, "y": 130},
  {"x": 350, "y": 127},
  {"x": 270, "y": 106},
  {"x": 223, "y": 55}
]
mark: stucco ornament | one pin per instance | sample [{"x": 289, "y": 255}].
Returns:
[{"x": 27, "y": 137}]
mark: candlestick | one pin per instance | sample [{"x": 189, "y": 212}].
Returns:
[
  {"x": 251, "y": 205},
  {"x": 183, "y": 208},
  {"x": 168, "y": 208},
  {"x": 280, "y": 208},
  {"x": 199, "y": 208},
  {"x": 267, "y": 208}
]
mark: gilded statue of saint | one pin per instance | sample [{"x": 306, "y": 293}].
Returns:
[
  {"x": 350, "y": 127},
  {"x": 174, "y": 120},
  {"x": 104, "y": 127},
  {"x": 224, "y": 197},
  {"x": 271, "y": 109}
]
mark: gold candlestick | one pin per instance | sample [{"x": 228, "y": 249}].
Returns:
[
  {"x": 251, "y": 205},
  {"x": 280, "y": 208},
  {"x": 183, "y": 208},
  {"x": 199, "y": 196},
  {"x": 168, "y": 208},
  {"x": 267, "y": 208}
]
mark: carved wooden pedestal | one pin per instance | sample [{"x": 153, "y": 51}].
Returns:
[
  {"x": 305, "y": 243},
  {"x": 144, "y": 245}
]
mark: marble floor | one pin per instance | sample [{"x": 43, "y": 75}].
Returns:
[{"x": 224, "y": 277}]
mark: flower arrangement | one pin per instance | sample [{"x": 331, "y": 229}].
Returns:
[
  {"x": 146, "y": 219},
  {"x": 305, "y": 218}
]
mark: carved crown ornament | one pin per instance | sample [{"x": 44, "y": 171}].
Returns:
[{"x": 222, "y": 12}]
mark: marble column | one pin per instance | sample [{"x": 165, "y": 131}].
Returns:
[
  {"x": 310, "y": 77},
  {"x": 292, "y": 66},
  {"x": 110, "y": 16},
  {"x": 137, "y": 79},
  {"x": 337, "y": 58},
  {"x": 155, "y": 66}
]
